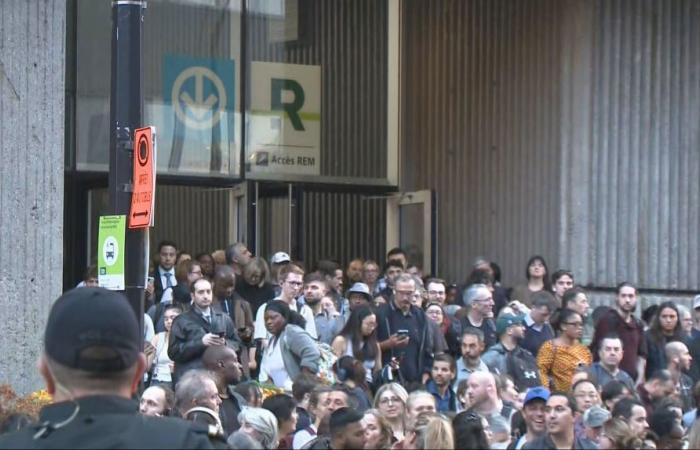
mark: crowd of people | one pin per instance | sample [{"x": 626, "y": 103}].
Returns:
[{"x": 283, "y": 356}]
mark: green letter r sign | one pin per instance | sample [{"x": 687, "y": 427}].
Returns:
[{"x": 292, "y": 109}]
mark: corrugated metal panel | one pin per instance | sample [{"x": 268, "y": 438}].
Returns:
[
  {"x": 348, "y": 40},
  {"x": 343, "y": 227},
  {"x": 32, "y": 65},
  {"x": 197, "y": 219},
  {"x": 481, "y": 127},
  {"x": 565, "y": 128},
  {"x": 645, "y": 178}
]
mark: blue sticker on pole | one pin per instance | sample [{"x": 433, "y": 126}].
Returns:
[{"x": 201, "y": 91}]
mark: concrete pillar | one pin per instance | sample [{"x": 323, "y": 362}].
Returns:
[{"x": 32, "y": 71}]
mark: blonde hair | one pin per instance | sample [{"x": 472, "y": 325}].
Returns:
[
  {"x": 384, "y": 427},
  {"x": 396, "y": 388},
  {"x": 434, "y": 431}
]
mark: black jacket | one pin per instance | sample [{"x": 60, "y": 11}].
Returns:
[
  {"x": 105, "y": 422},
  {"x": 386, "y": 326},
  {"x": 544, "y": 442},
  {"x": 185, "y": 347}
]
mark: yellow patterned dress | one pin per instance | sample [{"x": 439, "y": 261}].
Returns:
[{"x": 558, "y": 363}]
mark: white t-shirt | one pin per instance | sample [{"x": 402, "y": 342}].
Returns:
[
  {"x": 303, "y": 437},
  {"x": 306, "y": 313},
  {"x": 272, "y": 366}
]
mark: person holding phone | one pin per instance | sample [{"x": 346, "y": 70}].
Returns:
[
  {"x": 200, "y": 327},
  {"x": 403, "y": 333}
]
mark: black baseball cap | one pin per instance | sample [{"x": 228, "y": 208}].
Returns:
[{"x": 94, "y": 330}]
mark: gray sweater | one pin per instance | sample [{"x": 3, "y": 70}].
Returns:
[{"x": 299, "y": 350}]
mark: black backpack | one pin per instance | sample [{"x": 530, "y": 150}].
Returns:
[{"x": 522, "y": 367}]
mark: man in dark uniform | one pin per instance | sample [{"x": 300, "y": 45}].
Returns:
[{"x": 92, "y": 365}]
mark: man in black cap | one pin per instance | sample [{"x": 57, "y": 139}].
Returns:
[{"x": 92, "y": 365}]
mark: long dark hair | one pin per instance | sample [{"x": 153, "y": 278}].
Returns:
[
  {"x": 655, "y": 327},
  {"x": 468, "y": 431},
  {"x": 546, "y": 279},
  {"x": 353, "y": 331}
]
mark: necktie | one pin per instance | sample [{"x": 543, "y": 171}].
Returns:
[{"x": 168, "y": 281}]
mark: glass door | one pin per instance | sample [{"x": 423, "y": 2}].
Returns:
[{"x": 411, "y": 225}]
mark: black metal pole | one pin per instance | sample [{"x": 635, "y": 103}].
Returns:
[{"x": 126, "y": 114}]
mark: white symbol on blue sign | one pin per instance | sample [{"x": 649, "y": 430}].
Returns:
[
  {"x": 192, "y": 108},
  {"x": 201, "y": 92}
]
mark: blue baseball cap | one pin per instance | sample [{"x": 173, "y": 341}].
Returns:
[{"x": 536, "y": 393}]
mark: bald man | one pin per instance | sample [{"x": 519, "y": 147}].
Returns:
[
  {"x": 223, "y": 364},
  {"x": 238, "y": 309},
  {"x": 484, "y": 399},
  {"x": 678, "y": 360}
]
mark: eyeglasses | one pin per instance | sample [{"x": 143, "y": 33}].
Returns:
[
  {"x": 387, "y": 400},
  {"x": 404, "y": 292}
]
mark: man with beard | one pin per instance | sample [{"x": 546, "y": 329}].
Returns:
[
  {"x": 678, "y": 360},
  {"x": 507, "y": 357},
  {"x": 484, "y": 399},
  {"x": 533, "y": 414},
  {"x": 633, "y": 412},
  {"x": 195, "y": 330},
  {"x": 222, "y": 363},
  {"x": 237, "y": 256},
  {"x": 630, "y": 330},
  {"x": 440, "y": 384},
  {"x": 472, "y": 344},
  {"x": 657, "y": 387},
  {"x": 560, "y": 414},
  {"x": 328, "y": 320}
]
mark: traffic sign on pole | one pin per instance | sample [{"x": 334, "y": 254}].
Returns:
[{"x": 144, "y": 179}]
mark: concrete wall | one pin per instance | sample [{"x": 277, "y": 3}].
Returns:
[{"x": 32, "y": 66}]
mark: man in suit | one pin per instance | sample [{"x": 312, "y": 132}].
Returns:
[{"x": 164, "y": 276}]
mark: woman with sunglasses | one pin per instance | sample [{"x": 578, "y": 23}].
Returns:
[{"x": 559, "y": 358}]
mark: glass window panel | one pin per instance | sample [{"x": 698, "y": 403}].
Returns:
[
  {"x": 318, "y": 91},
  {"x": 191, "y": 67}
]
